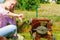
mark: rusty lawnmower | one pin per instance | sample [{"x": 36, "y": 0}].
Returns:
[{"x": 41, "y": 27}]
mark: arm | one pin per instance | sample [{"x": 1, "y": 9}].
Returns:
[
  {"x": 12, "y": 14},
  {"x": 19, "y": 16}
]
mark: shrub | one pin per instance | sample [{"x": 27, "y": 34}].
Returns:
[
  {"x": 44, "y": 1},
  {"x": 27, "y": 4}
]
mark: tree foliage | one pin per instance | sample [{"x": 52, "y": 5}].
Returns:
[
  {"x": 27, "y": 4},
  {"x": 58, "y": 1}
]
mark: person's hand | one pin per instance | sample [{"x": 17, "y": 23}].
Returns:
[{"x": 21, "y": 17}]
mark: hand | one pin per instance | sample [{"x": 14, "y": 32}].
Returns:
[{"x": 21, "y": 17}]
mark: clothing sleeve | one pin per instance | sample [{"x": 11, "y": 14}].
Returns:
[{"x": 3, "y": 11}]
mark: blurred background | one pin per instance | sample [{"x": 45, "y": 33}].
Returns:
[{"x": 45, "y": 8}]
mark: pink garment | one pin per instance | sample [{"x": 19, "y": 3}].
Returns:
[{"x": 4, "y": 18}]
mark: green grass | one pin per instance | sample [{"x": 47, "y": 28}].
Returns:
[
  {"x": 51, "y": 11},
  {"x": 27, "y": 36}
]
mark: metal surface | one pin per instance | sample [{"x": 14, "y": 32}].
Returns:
[{"x": 42, "y": 30}]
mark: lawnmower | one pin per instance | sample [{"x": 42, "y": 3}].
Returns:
[{"x": 41, "y": 28}]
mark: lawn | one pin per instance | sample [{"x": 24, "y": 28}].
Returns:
[{"x": 51, "y": 11}]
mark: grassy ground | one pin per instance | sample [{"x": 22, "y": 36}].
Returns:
[{"x": 51, "y": 11}]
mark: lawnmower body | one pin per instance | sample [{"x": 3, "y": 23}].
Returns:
[{"x": 41, "y": 28}]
